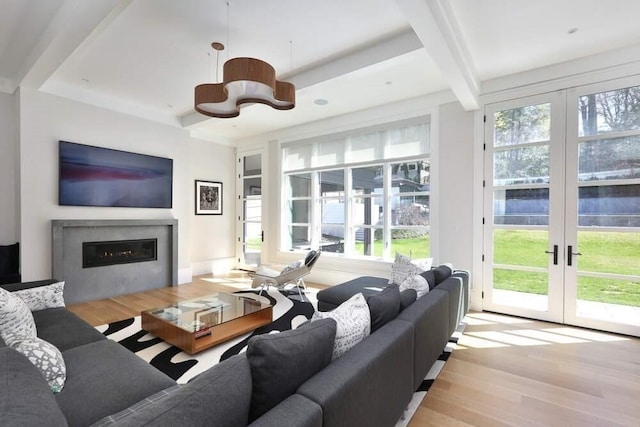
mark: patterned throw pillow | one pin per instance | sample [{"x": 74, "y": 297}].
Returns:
[
  {"x": 417, "y": 283},
  {"x": 403, "y": 267},
  {"x": 292, "y": 266},
  {"x": 353, "y": 323},
  {"x": 45, "y": 356},
  {"x": 49, "y": 296},
  {"x": 15, "y": 316}
]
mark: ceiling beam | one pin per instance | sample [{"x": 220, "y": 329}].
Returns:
[
  {"x": 73, "y": 26},
  {"x": 364, "y": 56},
  {"x": 435, "y": 24}
]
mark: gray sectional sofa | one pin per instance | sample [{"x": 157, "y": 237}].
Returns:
[{"x": 371, "y": 384}]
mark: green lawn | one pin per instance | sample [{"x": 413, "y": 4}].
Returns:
[
  {"x": 602, "y": 252},
  {"x": 417, "y": 247}
]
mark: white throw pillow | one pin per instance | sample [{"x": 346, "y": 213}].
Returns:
[
  {"x": 353, "y": 321},
  {"x": 417, "y": 283},
  {"x": 45, "y": 356},
  {"x": 403, "y": 267},
  {"x": 15, "y": 316},
  {"x": 292, "y": 266},
  {"x": 41, "y": 297}
]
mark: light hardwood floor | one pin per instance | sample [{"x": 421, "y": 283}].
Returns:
[{"x": 506, "y": 371}]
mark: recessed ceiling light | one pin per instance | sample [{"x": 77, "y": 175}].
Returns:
[
  {"x": 388, "y": 82},
  {"x": 572, "y": 30},
  {"x": 320, "y": 101}
]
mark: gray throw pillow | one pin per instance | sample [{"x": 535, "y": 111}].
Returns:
[
  {"x": 430, "y": 277},
  {"x": 442, "y": 272},
  {"x": 384, "y": 306},
  {"x": 281, "y": 362},
  {"x": 407, "y": 297}
]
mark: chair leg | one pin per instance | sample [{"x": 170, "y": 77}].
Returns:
[
  {"x": 262, "y": 288},
  {"x": 300, "y": 281}
]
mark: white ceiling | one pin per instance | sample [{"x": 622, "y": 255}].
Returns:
[{"x": 144, "y": 57}]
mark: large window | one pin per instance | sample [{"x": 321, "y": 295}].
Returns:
[{"x": 365, "y": 194}]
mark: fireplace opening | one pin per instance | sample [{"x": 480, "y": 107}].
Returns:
[{"x": 100, "y": 254}]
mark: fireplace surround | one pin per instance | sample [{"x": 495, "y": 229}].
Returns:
[{"x": 106, "y": 281}]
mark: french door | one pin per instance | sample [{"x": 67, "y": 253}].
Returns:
[
  {"x": 562, "y": 207},
  {"x": 249, "y": 208}
]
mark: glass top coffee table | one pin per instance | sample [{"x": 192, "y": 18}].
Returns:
[{"x": 197, "y": 324}]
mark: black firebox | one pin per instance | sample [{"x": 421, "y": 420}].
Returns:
[{"x": 99, "y": 254}]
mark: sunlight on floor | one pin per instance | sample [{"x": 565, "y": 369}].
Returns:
[
  {"x": 239, "y": 283},
  {"x": 509, "y": 336}
]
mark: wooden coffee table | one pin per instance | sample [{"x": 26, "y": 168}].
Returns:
[{"x": 197, "y": 324}]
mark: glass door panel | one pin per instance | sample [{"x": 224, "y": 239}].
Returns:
[
  {"x": 521, "y": 198},
  {"x": 565, "y": 185},
  {"x": 603, "y": 205},
  {"x": 250, "y": 217}
]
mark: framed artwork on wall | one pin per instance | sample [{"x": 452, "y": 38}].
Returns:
[{"x": 208, "y": 198}]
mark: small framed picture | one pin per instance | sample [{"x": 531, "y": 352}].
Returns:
[{"x": 208, "y": 198}]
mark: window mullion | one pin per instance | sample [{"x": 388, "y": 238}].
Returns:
[
  {"x": 349, "y": 228},
  {"x": 386, "y": 233},
  {"x": 316, "y": 211}
]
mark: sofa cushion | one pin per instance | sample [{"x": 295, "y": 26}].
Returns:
[
  {"x": 353, "y": 322},
  {"x": 371, "y": 384},
  {"x": 15, "y": 316},
  {"x": 219, "y": 396},
  {"x": 64, "y": 329},
  {"x": 25, "y": 397},
  {"x": 104, "y": 378},
  {"x": 330, "y": 298},
  {"x": 417, "y": 283},
  {"x": 429, "y": 317},
  {"x": 442, "y": 272},
  {"x": 41, "y": 297},
  {"x": 407, "y": 297},
  {"x": 44, "y": 356},
  {"x": 384, "y": 306},
  {"x": 281, "y": 362}
]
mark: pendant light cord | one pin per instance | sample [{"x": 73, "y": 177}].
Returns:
[{"x": 228, "y": 42}]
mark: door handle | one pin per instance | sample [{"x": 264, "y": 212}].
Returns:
[
  {"x": 570, "y": 255},
  {"x": 555, "y": 254}
]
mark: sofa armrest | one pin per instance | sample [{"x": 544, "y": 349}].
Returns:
[
  {"x": 295, "y": 411},
  {"x": 369, "y": 385},
  {"x": 12, "y": 287},
  {"x": 466, "y": 291},
  {"x": 430, "y": 319}
]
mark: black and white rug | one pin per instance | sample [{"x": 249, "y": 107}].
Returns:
[{"x": 288, "y": 313}]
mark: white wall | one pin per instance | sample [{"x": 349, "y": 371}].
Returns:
[
  {"x": 8, "y": 170},
  {"x": 455, "y": 185},
  {"x": 46, "y": 119}
]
